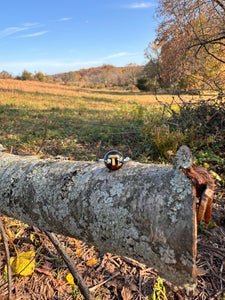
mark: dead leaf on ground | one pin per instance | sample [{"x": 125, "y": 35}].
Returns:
[
  {"x": 6, "y": 297},
  {"x": 126, "y": 293},
  {"x": 78, "y": 252},
  {"x": 46, "y": 268},
  {"x": 91, "y": 262}
]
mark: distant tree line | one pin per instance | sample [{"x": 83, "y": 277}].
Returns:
[
  {"x": 98, "y": 77},
  {"x": 103, "y": 76},
  {"x": 26, "y": 75}
]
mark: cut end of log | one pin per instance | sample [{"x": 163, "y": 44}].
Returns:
[{"x": 184, "y": 157}]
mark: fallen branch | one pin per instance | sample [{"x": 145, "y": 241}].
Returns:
[
  {"x": 71, "y": 265},
  {"x": 9, "y": 271}
]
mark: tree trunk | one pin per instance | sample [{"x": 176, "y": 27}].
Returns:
[{"x": 146, "y": 212}]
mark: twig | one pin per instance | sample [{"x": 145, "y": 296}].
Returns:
[
  {"x": 217, "y": 294},
  {"x": 103, "y": 282},
  {"x": 221, "y": 274},
  {"x": 139, "y": 285},
  {"x": 133, "y": 262},
  {"x": 71, "y": 265},
  {"x": 9, "y": 271},
  {"x": 114, "y": 262},
  {"x": 217, "y": 276},
  {"x": 151, "y": 271}
]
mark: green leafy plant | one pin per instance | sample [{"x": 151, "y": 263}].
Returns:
[
  {"x": 209, "y": 156},
  {"x": 202, "y": 121},
  {"x": 75, "y": 291},
  {"x": 159, "y": 291},
  {"x": 202, "y": 228}
]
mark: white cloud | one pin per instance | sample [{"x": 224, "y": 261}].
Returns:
[
  {"x": 30, "y": 24},
  {"x": 64, "y": 19},
  {"x": 121, "y": 54},
  {"x": 33, "y": 34},
  {"x": 27, "y": 26},
  {"x": 137, "y": 5},
  {"x": 11, "y": 30},
  {"x": 117, "y": 55}
]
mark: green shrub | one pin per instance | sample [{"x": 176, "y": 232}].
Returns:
[
  {"x": 162, "y": 139},
  {"x": 26, "y": 75},
  {"x": 200, "y": 125},
  {"x": 147, "y": 85},
  {"x": 39, "y": 76},
  {"x": 203, "y": 119}
]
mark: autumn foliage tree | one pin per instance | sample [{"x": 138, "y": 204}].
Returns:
[
  {"x": 103, "y": 76},
  {"x": 39, "y": 76},
  {"x": 192, "y": 40}
]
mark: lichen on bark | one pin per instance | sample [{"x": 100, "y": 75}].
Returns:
[{"x": 142, "y": 211}]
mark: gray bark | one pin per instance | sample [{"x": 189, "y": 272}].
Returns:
[{"x": 146, "y": 212}]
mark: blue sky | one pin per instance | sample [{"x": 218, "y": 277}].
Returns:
[{"x": 67, "y": 35}]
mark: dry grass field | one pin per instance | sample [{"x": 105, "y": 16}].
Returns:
[
  {"x": 12, "y": 87},
  {"x": 56, "y": 119},
  {"x": 80, "y": 123}
]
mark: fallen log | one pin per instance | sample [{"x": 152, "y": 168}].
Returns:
[{"x": 143, "y": 211}]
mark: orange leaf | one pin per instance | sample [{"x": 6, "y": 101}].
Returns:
[
  {"x": 91, "y": 262},
  {"x": 78, "y": 252}
]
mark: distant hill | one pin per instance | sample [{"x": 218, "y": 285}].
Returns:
[{"x": 107, "y": 75}]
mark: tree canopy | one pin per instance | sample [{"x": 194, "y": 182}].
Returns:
[{"x": 191, "y": 37}]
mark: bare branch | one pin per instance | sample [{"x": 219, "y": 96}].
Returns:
[
  {"x": 220, "y": 4},
  {"x": 213, "y": 55},
  {"x": 9, "y": 271}
]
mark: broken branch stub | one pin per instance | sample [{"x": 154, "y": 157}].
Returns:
[{"x": 146, "y": 212}]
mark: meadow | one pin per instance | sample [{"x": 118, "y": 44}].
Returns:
[
  {"x": 52, "y": 119},
  {"x": 80, "y": 123}
]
